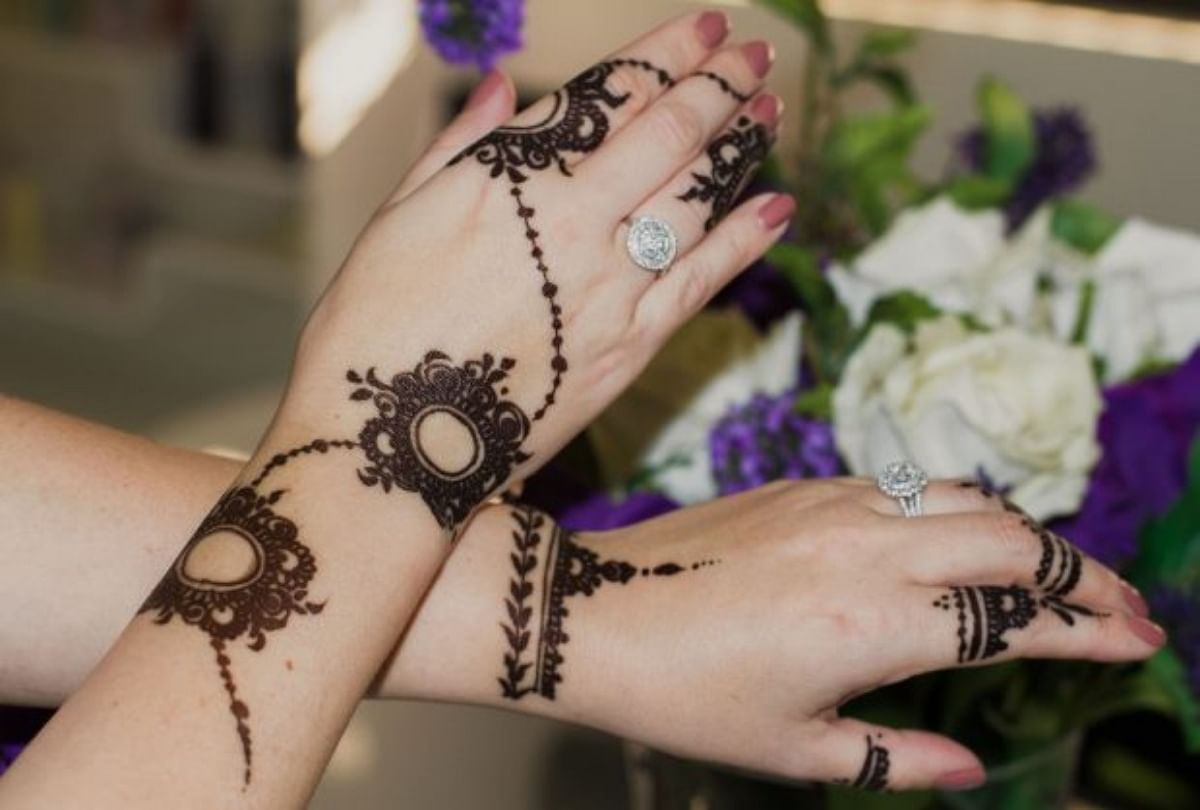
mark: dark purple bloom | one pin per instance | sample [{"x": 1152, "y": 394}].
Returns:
[
  {"x": 761, "y": 292},
  {"x": 8, "y": 755},
  {"x": 1065, "y": 157},
  {"x": 1179, "y": 613},
  {"x": 477, "y": 32},
  {"x": 1145, "y": 431},
  {"x": 766, "y": 440},
  {"x": 602, "y": 512}
]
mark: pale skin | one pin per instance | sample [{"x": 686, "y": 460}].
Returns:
[{"x": 754, "y": 655}]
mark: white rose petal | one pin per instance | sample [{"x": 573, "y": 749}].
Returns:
[{"x": 1018, "y": 407}]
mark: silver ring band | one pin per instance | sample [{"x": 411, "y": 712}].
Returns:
[{"x": 905, "y": 482}]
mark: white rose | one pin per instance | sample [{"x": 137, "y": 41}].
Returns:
[
  {"x": 1018, "y": 407},
  {"x": 936, "y": 250},
  {"x": 1146, "y": 300},
  {"x": 661, "y": 424}
]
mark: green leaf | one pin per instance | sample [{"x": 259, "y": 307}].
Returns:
[
  {"x": 881, "y": 43},
  {"x": 1082, "y": 226},
  {"x": 828, "y": 332},
  {"x": 807, "y": 16},
  {"x": 905, "y": 309},
  {"x": 976, "y": 191},
  {"x": 1083, "y": 315},
  {"x": 1008, "y": 131},
  {"x": 1169, "y": 546},
  {"x": 891, "y": 79},
  {"x": 816, "y": 403},
  {"x": 1166, "y": 667},
  {"x": 866, "y": 142}
]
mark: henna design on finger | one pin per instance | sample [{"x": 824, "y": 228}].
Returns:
[
  {"x": 244, "y": 573},
  {"x": 734, "y": 156},
  {"x": 726, "y": 86},
  {"x": 480, "y": 432},
  {"x": 873, "y": 775},
  {"x": 985, "y": 614},
  {"x": 569, "y": 569}
]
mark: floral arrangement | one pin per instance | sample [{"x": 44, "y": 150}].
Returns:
[{"x": 983, "y": 324}]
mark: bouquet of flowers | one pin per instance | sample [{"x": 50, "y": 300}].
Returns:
[{"x": 983, "y": 324}]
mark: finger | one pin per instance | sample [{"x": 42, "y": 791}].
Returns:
[
  {"x": 490, "y": 104},
  {"x": 675, "y": 129},
  {"x": 980, "y": 624},
  {"x": 702, "y": 192},
  {"x": 735, "y": 244},
  {"x": 974, "y": 548},
  {"x": 939, "y": 498},
  {"x": 558, "y": 130},
  {"x": 872, "y": 757}
]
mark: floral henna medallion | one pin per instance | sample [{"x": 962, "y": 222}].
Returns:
[
  {"x": 243, "y": 574},
  {"x": 481, "y": 433},
  {"x": 985, "y": 614},
  {"x": 874, "y": 772},
  {"x": 734, "y": 156},
  {"x": 569, "y": 569}
]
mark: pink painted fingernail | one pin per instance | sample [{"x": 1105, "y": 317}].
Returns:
[
  {"x": 1134, "y": 599},
  {"x": 1147, "y": 631},
  {"x": 713, "y": 27},
  {"x": 767, "y": 108},
  {"x": 776, "y": 211},
  {"x": 485, "y": 89},
  {"x": 964, "y": 779},
  {"x": 760, "y": 55}
]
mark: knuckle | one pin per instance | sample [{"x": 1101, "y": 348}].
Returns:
[
  {"x": 1012, "y": 534},
  {"x": 677, "y": 126}
]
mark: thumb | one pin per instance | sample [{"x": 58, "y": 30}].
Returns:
[{"x": 491, "y": 103}]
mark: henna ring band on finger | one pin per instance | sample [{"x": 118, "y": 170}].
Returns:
[
  {"x": 651, "y": 243},
  {"x": 905, "y": 482}
]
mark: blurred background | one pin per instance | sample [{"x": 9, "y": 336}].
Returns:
[{"x": 179, "y": 178}]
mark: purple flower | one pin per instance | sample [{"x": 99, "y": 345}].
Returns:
[
  {"x": 761, "y": 292},
  {"x": 1065, "y": 157},
  {"x": 1145, "y": 431},
  {"x": 765, "y": 440},
  {"x": 475, "y": 32},
  {"x": 1179, "y": 613},
  {"x": 8, "y": 755},
  {"x": 601, "y": 512}
]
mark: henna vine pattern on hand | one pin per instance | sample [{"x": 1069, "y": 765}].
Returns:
[
  {"x": 465, "y": 402},
  {"x": 577, "y": 123},
  {"x": 569, "y": 569},
  {"x": 734, "y": 156},
  {"x": 258, "y": 592},
  {"x": 874, "y": 772}
]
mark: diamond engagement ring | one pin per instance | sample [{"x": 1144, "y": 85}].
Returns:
[
  {"x": 651, "y": 243},
  {"x": 905, "y": 482}
]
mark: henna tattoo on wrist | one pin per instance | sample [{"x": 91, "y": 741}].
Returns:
[
  {"x": 873, "y": 775},
  {"x": 569, "y": 569},
  {"x": 244, "y": 573},
  {"x": 465, "y": 406},
  {"x": 734, "y": 156}
]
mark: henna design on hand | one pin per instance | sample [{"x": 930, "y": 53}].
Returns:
[
  {"x": 734, "y": 156},
  {"x": 227, "y": 603},
  {"x": 874, "y": 772},
  {"x": 465, "y": 401},
  {"x": 569, "y": 569}
]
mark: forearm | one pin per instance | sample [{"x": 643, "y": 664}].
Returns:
[
  {"x": 281, "y": 607},
  {"x": 90, "y": 517}
]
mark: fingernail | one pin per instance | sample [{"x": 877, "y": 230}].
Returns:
[
  {"x": 760, "y": 55},
  {"x": 767, "y": 109},
  {"x": 966, "y": 779},
  {"x": 713, "y": 27},
  {"x": 776, "y": 211},
  {"x": 485, "y": 89},
  {"x": 1147, "y": 631},
  {"x": 1134, "y": 599}
]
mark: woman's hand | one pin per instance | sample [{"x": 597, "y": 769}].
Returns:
[
  {"x": 734, "y": 630},
  {"x": 490, "y": 310}
]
